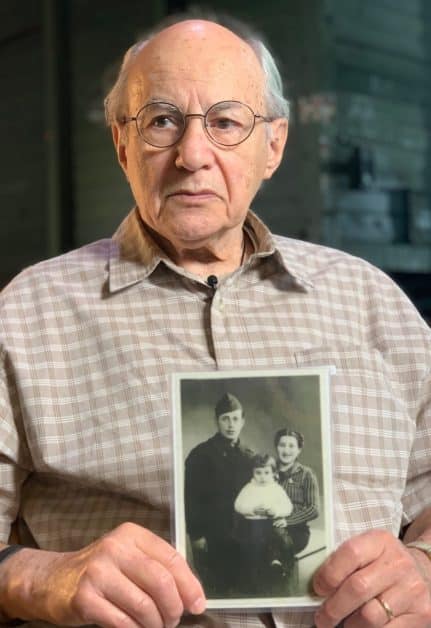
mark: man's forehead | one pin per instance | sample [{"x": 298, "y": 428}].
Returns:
[
  {"x": 196, "y": 35},
  {"x": 237, "y": 414},
  {"x": 195, "y": 53}
]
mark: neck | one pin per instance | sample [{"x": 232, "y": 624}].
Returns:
[
  {"x": 215, "y": 257},
  {"x": 210, "y": 260},
  {"x": 286, "y": 467}
]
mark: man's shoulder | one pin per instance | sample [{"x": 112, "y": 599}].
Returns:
[
  {"x": 338, "y": 273},
  {"x": 315, "y": 257},
  {"x": 203, "y": 448},
  {"x": 215, "y": 446},
  {"x": 80, "y": 266}
]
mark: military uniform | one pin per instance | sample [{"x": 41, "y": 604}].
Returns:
[{"x": 215, "y": 472}]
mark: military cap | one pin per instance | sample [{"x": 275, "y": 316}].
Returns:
[{"x": 227, "y": 403}]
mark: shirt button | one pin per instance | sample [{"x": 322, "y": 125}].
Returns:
[{"x": 218, "y": 303}]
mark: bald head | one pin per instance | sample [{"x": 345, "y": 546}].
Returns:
[
  {"x": 196, "y": 35},
  {"x": 209, "y": 39},
  {"x": 196, "y": 54}
]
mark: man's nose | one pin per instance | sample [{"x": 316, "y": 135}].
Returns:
[{"x": 194, "y": 150}]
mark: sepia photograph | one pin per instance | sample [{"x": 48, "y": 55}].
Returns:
[{"x": 253, "y": 491}]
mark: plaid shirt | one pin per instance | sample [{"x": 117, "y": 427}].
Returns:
[{"x": 88, "y": 343}]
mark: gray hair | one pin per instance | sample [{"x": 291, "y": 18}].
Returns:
[{"x": 277, "y": 105}]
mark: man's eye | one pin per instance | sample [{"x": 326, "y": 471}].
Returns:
[
  {"x": 163, "y": 122},
  {"x": 224, "y": 124}
]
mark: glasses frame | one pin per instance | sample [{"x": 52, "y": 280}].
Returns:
[{"x": 202, "y": 116}]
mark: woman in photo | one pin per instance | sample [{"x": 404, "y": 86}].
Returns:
[{"x": 300, "y": 485}]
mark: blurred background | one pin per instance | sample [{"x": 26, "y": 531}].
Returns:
[{"x": 357, "y": 173}]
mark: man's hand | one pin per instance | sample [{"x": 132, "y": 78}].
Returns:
[
  {"x": 130, "y": 577},
  {"x": 365, "y": 568}
]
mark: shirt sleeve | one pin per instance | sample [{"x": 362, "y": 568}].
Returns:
[
  {"x": 309, "y": 509},
  {"x": 245, "y": 503},
  {"x": 282, "y": 504},
  {"x": 417, "y": 493},
  {"x": 14, "y": 457}
]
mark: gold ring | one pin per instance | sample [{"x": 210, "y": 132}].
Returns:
[{"x": 389, "y": 612}]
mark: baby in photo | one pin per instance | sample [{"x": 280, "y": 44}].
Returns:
[
  {"x": 260, "y": 502},
  {"x": 263, "y": 497}
]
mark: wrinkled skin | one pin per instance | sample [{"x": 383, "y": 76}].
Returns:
[
  {"x": 129, "y": 577},
  {"x": 369, "y": 565}
]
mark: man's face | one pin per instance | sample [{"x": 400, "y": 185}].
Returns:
[
  {"x": 230, "y": 424},
  {"x": 196, "y": 192}
]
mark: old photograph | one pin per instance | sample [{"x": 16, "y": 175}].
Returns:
[{"x": 253, "y": 488}]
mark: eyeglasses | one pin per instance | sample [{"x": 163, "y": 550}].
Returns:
[{"x": 227, "y": 123}]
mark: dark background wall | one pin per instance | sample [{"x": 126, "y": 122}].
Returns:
[{"x": 357, "y": 169}]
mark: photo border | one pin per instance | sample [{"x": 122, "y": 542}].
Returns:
[{"x": 179, "y": 523}]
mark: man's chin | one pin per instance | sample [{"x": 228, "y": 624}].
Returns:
[{"x": 193, "y": 236}]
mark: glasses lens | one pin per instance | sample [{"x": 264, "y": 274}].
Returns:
[
  {"x": 229, "y": 122},
  {"x": 160, "y": 124}
]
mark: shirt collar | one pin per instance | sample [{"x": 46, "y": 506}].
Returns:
[
  {"x": 292, "y": 470},
  {"x": 134, "y": 254},
  {"x": 224, "y": 443}
]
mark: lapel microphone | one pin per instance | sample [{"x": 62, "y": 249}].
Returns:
[{"x": 212, "y": 281}]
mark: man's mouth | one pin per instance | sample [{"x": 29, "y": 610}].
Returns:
[{"x": 192, "y": 194}]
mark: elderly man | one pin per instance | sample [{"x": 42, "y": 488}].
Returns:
[
  {"x": 216, "y": 470},
  {"x": 192, "y": 280}
]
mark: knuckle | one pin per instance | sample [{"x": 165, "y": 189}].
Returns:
[
  {"x": 368, "y": 614},
  {"x": 123, "y": 621},
  {"x": 359, "y": 585},
  {"x": 127, "y": 528},
  {"x": 399, "y": 563},
  {"x": 94, "y": 571},
  {"x": 144, "y": 605},
  {"x": 327, "y": 579},
  {"x": 145, "y": 611},
  {"x": 419, "y": 589},
  {"x": 108, "y": 544},
  {"x": 173, "y": 616},
  {"x": 81, "y": 602},
  {"x": 174, "y": 558},
  {"x": 165, "y": 581},
  {"x": 381, "y": 536},
  {"x": 329, "y": 610},
  {"x": 353, "y": 549}
]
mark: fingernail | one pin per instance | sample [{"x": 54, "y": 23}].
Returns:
[{"x": 198, "y": 606}]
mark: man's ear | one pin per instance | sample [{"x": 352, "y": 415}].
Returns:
[
  {"x": 276, "y": 143},
  {"x": 120, "y": 147}
]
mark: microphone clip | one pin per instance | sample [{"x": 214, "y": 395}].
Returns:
[{"x": 212, "y": 281}]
